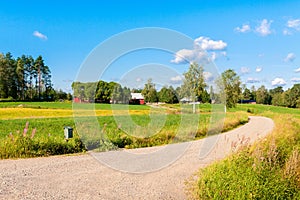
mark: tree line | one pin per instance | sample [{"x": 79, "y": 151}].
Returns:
[
  {"x": 101, "y": 92},
  {"x": 194, "y": 88},
  {"x": 277, "y": 96},
  {"x": 26, "y": 79}
]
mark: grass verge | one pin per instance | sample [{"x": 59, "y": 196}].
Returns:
[{"x": 270, "y": 169}]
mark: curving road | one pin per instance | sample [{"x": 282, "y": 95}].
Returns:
[{"x": 84, "y": 177}]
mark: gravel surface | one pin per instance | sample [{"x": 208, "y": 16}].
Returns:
[{"x": 84, "y": 177}]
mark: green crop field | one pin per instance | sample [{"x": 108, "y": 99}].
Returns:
[{"x": 46, "y": 120}]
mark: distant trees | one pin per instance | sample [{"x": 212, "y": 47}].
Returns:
[
  {"x": 262, "y": 95},
  {"x": 230, "y": 86},
  {"x": 277, "y": 96},
  {"x": 101, "y": 91},
  {"x": 194, "y": 84},
  {"x": 168, "y": 95},
  {"x": 24, "y": 78},
  {"x": 149, "y": 92},
  {"x": 292, "y": 97}
]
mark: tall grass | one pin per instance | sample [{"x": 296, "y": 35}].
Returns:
[
  {"x": 270, "y": 169},
  {"x": 24, "y": 144}
]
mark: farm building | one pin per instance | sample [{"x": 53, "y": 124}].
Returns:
[
  {"x": 137, "y": 98},
  {"x": 247, "y": 101},
  {"x": 186, "y": 100}
]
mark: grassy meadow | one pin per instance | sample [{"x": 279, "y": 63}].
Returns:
[
  {"x": 269, "y": 169},
  {"x": 26, "y": 127}
]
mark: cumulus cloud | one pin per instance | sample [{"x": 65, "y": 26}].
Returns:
[
  {"x": 258, "y": 69},
  {"x": 294, "y": 24},
  {"x": 40, "y": 35},
  {"x": 198, "y": 53},
  {"x": 264, "y": 29},
  {"x": 176, "y": 79},
  {"x": 297, "y": 70},
  {"x": 295, "y": 80},
  {"x": 290, "y": 57},
  {"x": 278, "y": 82},
  {"x": 207, "y": 44},
  {"x": 245, "y": 70},
  {"x": 252, "y": 80},
  {"x": 187, "y": 55},
  {"x": 243, "y": 29}
]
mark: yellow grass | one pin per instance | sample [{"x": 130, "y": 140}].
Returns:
[{"x": 24, "y": 113}]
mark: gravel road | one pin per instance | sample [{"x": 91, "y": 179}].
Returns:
[{"x": 84, "y": 177}]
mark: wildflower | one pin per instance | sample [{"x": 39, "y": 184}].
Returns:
[
  {"x": 33, "y": 133},
  {"x": 25, "y": 129}
]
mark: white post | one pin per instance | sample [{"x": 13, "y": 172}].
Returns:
[{"x": 194, "y": 107}]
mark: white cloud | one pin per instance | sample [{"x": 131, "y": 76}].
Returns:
[
  {"x": 264, "y": 28},
  {"x": 244, "y": 29},
  {"x": 297, "y": 70},
  {"x": 245, "y": 70},
  {"x": 294, "y": 23},
  {"x": 295, "y": 80},
  {"x": 286, "y": 32},
  {"x": 278, "y": 82},
  {"x": 187, "y": 55},
  {"x": 176, "y": 79},
  {"x": 252, "y": 80},
  {"x": 258, "y": 69},
  {"x": 138, "y": 79},
  {"x": 40, "y": 35},
  {"x": 208, "y": 76},
  {"x": 290, "y": 57},
  {"x": 198, "y": 53},
  {"x": 261, "y": 55},
  {"x": 207, "y": 44},
  {"x": 213, "y": 56}
]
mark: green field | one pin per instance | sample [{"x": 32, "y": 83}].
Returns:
[{"x": 169, "y": 123}]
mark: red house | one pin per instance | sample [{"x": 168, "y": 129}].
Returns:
[{"x": 137, "y": 98}]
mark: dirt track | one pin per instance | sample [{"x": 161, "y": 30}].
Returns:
[{"x": 84, "y": 177}]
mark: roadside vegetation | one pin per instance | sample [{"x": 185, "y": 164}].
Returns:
[{"x": 269, "y": 169}]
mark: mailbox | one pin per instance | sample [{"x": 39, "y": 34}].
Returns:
[{"x": 68, "y": 132}]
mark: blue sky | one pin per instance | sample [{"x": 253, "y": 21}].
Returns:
[{"x": 258, "y": 39}]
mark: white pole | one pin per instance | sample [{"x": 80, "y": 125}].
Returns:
[{"x": 194, "y": 107}]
